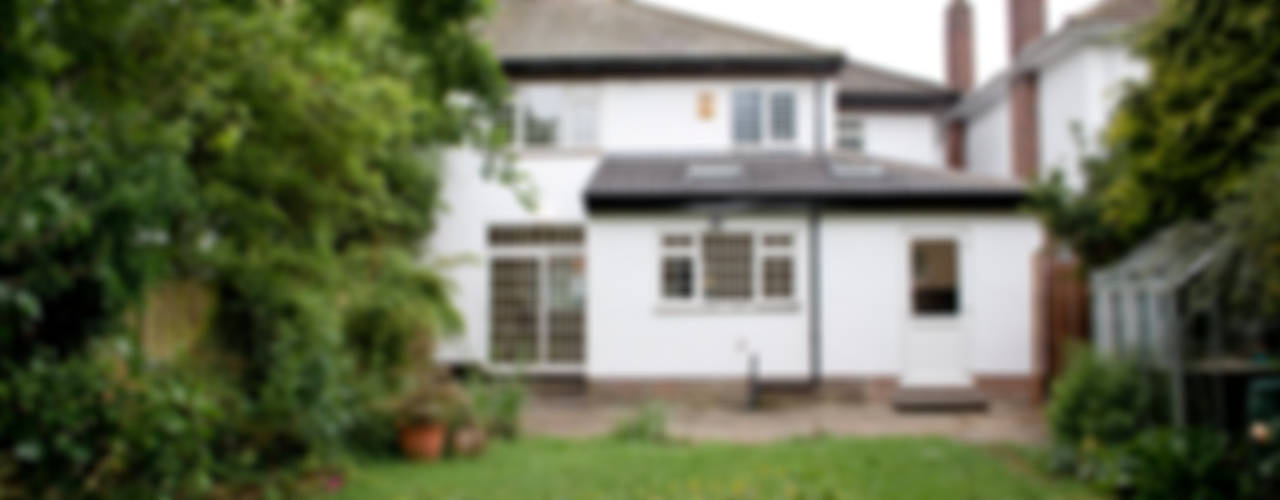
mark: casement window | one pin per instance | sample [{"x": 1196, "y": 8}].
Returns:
[
  {"x": 551, "y": 117},
  {"x": 776, "y": 263},
  {"x": 537, "y": 293},
  {"x": 678, "y": 267},
  {"x": 935, "y": 277},
  {"x": 727, "y": 267},
  {"x": 849, "y": 133},
  {"x": 763, "y": 117}
]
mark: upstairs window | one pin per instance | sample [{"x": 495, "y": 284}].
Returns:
[
  {"x": 934, "y": 277},
  {"x": 763, "y": 117},
  {"x": 747, "y": 112},
  {"x": 849, "y": 133},
  {"x": 551, "y": 117},
  {"x": 782, "y": 116}
]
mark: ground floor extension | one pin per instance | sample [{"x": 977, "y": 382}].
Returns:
[{"x": 665, "y": 282}]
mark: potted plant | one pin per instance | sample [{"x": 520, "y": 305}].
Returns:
[
  {"x": 466, "y": 435},
  {"x": 422, "y": 426}
]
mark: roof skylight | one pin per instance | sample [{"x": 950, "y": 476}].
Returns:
[
  {"x": 857, "y": 170},
  {"x": 714, "y": 171}
]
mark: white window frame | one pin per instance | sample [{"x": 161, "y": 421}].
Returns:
[
  {"x": 758, "y": 254},
  {"x": 763, "y": 253},
  {"x": 571, "y": 96},
  {"x": 767, "y": 139},
  {"x": 862, "y": 131},
  {"x": 542, "y": 253},
  {"x": 692, "y": 253}
]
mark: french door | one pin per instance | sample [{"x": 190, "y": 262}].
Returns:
[{"x": 537, "y": 307}]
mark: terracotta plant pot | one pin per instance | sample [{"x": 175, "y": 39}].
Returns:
[{"x": 424, "y": 442}]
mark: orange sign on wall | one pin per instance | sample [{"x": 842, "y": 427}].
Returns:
[{"x": 706, "y": 105}]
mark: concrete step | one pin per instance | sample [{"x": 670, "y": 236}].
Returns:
[{"x": 939, "y": 399}]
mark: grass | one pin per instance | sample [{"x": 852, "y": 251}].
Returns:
[{"x": 889, "y": 468}]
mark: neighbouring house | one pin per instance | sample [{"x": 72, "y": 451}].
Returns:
[
  {"x": 709, "y": 195},
  {"x": 1042, "y": 115}
]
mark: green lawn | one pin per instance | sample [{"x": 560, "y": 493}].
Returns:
[{"x": 914, "y": 468}]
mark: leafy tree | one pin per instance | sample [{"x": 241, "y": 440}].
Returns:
[
  {"x": 1184, "y": 145},
  {"x": 281, "y": 153}
]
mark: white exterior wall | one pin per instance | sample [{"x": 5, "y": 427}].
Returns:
[
  {"x": 1080, "y": 90},
  {"x": 914, "y": 137},
  {"x": 635, "y": 116},
  {"x": 635, "y": 334},
  {"x": 472, "y": 203},
  {"x": 868, "y": 328},
  {"x": 988, "y": 142}
]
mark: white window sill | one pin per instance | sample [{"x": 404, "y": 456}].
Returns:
[{"x": 727, "y": 308}]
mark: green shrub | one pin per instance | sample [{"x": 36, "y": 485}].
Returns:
[
  {"x": 1190, "y": 464},
  {"x": 86, "y": 427},
  {"x": 1102, "y": 401},
  {"x": 497, "y": 405},
  {"x": 649, "y": 425}
]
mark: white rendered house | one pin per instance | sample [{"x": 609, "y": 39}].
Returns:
[{"x": 708, "y": 195}]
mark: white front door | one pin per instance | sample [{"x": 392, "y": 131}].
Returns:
[
  {"x": 936, "y": 356},
  {"x": 936, "y": 347}
]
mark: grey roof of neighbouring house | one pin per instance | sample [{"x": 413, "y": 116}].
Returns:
[
  {"x": 860, "y": 77},
  {"x": 1123, "y": 11},
  {"x": 864, "y": 84},
  {"x": 626, "y": 29},
  {"x": 657, "y": 180}
]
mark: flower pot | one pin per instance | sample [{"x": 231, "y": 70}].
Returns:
[{"x": 423, "y": 442}]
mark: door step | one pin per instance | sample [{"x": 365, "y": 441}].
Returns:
[{"x": 939, "y": 399}]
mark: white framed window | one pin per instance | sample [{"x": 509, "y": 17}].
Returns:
[
  {"x": 556, "y": 117},
  {"x": 679, "y": 267},
  {"x": 537, "y": 295},
  {"x": 850, "y": 133},
  {"x": 763, "y": 117},
  {"x": 777, "y": 267},
  {"x": 727, "y": 267}
]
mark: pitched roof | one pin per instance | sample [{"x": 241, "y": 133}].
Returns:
[
  {"x": 648, "y": 180},
  {"x": 595, "y": 29},
  {"x": 1121, "y": 11},
  {"x": 860, "y": 77}
]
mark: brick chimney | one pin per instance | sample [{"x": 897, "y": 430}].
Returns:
[
  {"x": 959, "y": 50},
  {"x": 1026, "y": 25},
  {"x": 959, "y": 39}
]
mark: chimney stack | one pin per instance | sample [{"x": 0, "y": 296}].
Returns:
[
  {"x": 959, "y": 51},
  {"x": 1026, "y": 25}
]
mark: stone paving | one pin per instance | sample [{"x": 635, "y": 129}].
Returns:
[{"x": 1001, "y": 423}]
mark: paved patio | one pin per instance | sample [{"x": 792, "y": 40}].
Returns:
[{"x": 1000, "y": 423}]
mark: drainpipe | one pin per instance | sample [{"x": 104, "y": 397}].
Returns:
[
  {"x": 819, "y": 116},
  {"x": 815, "y": 296},
  {"x": 815, "y": 244}
]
